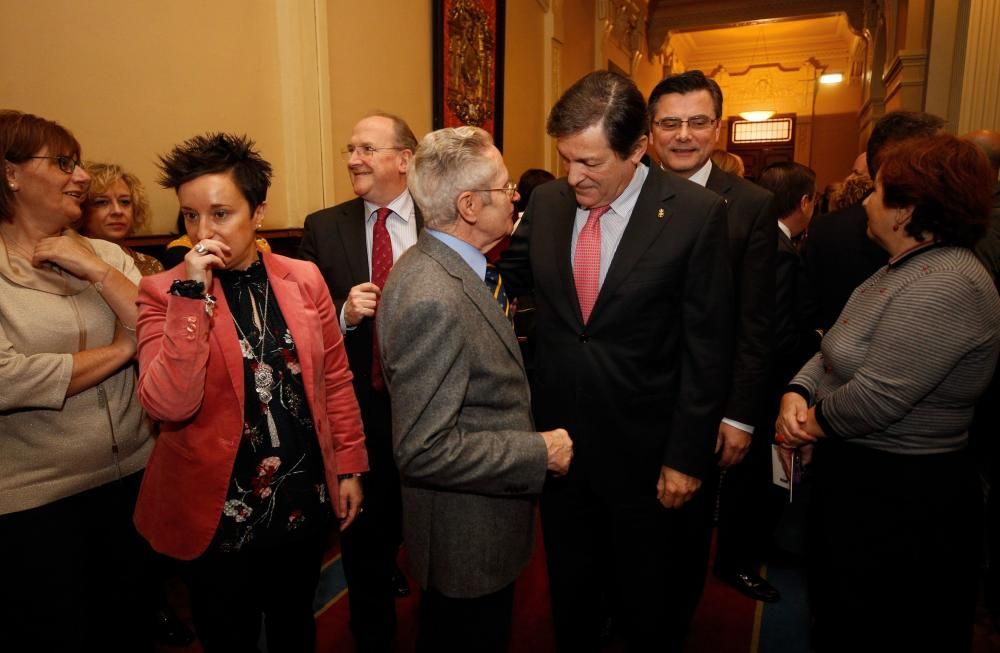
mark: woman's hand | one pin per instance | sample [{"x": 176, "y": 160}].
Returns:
[
  {"x": 349, "y": 502},
  {"x": 793, "y": 417},
  {"x": 200, "y": 259},
  {"x": 71, "y": 255}
]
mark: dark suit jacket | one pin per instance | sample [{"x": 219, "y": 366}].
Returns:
[
  {"x": 753, "y": 234},
  {"x": 644, "y": 383},
  {"x": 463, "y": 437},
  {"x": 334, "y": 239},
  {"x": 839, "y": 256},
  {"x": 796, "y": 340}
]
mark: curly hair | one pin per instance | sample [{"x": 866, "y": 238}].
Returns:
[
  {"x": 947, "y": 181},
  {"x": 103, "y": 176},
  {"x": 214, "y": 153},
  {"x": 852, "y": 190}
]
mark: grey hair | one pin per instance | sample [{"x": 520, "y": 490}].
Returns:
[{"x": 447, "y": 163}]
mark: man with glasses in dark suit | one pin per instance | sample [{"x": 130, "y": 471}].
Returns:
[{"x": 355, "y": 245}]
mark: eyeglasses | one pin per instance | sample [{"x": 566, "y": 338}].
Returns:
[
  {"x": 510, "y": 188},
  {"x": 694, "y": 123},
  {"x": 66, "y": 163},
  {"x": 364, "y": 151}
]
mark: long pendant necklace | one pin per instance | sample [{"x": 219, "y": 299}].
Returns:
[{"x": 263, "y": 374}]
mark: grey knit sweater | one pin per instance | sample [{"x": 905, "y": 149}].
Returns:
[{"x": 910, "y": 354}]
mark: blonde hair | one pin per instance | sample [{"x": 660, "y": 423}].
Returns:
[
  {"x": 853, "y": 189},
  {"x": 102, "y": 177},
  {"x": 728, "y": 162}
]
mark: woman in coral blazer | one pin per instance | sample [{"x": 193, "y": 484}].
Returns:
[{"x": 242, "y": 360}]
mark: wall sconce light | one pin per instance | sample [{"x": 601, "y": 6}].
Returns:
[{"x": 831, "y": 78}]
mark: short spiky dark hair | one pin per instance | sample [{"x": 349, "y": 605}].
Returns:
[
  {"x": 687, "y": 82},
  {"x": 215, "y": 153},
  {"x": 601, "y": 98}
]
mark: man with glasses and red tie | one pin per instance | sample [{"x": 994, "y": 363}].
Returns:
[
  {"x": 355, "y": 245},
  {"x": 685, "y": 113},
  {"x": 630, "y": 271}
]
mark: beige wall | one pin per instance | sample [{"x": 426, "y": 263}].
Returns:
[
  {"x": 578, "y": 49},
  {"x": 132, "y": 79},
  {"x": 379, "y": 58},
  {"x": 524, "y": 138}
]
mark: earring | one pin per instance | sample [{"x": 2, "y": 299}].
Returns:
[{"x": 895, "y": 227}]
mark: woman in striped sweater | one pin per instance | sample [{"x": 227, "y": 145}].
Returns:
[{"x": 895, "y": 527}]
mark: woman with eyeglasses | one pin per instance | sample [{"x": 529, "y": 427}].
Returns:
[
  {"x": 242, "y": 361},
  {"x": 114, "y": 209},
  {"x": 73, "y": 442}
]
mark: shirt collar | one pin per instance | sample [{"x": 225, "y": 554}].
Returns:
[
  {"x": 401, "y": 206},
  {"x": 469, "y": 254},
  {"x": 624, "y": 203},
  {"x": 784, "y": 229},
  {"x": 701, "y": 177}
]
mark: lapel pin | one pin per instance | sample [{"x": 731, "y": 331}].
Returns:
[{"x": 659, "y": 214}]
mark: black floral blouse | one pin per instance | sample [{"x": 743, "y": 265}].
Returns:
[{"x": 277, "y": 491}]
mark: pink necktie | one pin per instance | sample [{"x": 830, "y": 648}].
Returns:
[
  {"x": 381, "y": 264},
  {"x": 587, "y": 262}
]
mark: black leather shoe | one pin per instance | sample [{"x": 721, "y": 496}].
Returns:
[
  {"x": 750, "y": 584},
  {"x": 399, "y": 584},
  {"x": 168, "y": 629}
]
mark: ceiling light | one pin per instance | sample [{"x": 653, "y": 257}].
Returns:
[
  {"x": 756, "y": 116},
  {"x": 831, "y": 78}
]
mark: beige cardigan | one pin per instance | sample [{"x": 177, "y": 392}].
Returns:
[{"x": 53, "y": 446}]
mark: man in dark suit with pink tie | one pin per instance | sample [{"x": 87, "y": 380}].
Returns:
[{"x": 629, "y": 268}]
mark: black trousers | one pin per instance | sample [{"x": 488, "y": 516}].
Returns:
[
  {"x": 894, "y": 548},
  {"x": 750, "y": 506},
  {"x": 369, "y": 547},
  {"x": 450, "y": 625},
  {"x": 231, "y": 592},
  {"x": 75, "y": 574},
  {"x": 625, "y": 551}
]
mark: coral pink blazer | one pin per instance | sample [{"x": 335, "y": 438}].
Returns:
[{"x": 191, "y": 380}]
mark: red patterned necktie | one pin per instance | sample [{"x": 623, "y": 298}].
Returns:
[
  {"x": 381, "y": 264},
  {"x": 587, "y": 261}
]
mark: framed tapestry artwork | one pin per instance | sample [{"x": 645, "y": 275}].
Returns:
[{"x": 468, "y": 64}]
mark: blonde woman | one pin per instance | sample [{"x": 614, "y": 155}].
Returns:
[{"x": 115, "y": 208}]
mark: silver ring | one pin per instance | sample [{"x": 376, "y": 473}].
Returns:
[{"x": 201, "y": 249}]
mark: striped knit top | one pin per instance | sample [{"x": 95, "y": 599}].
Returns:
[{"x": 910, "y": 354}]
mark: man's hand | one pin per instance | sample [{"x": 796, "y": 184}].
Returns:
[
  {"x": 559, "y": 448},
  {"x": 733, "y": 442},
  {"x": 361, "y": 303},
  {"x": 349, "y": 501},
  {"x": 675, "y": 488}
]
